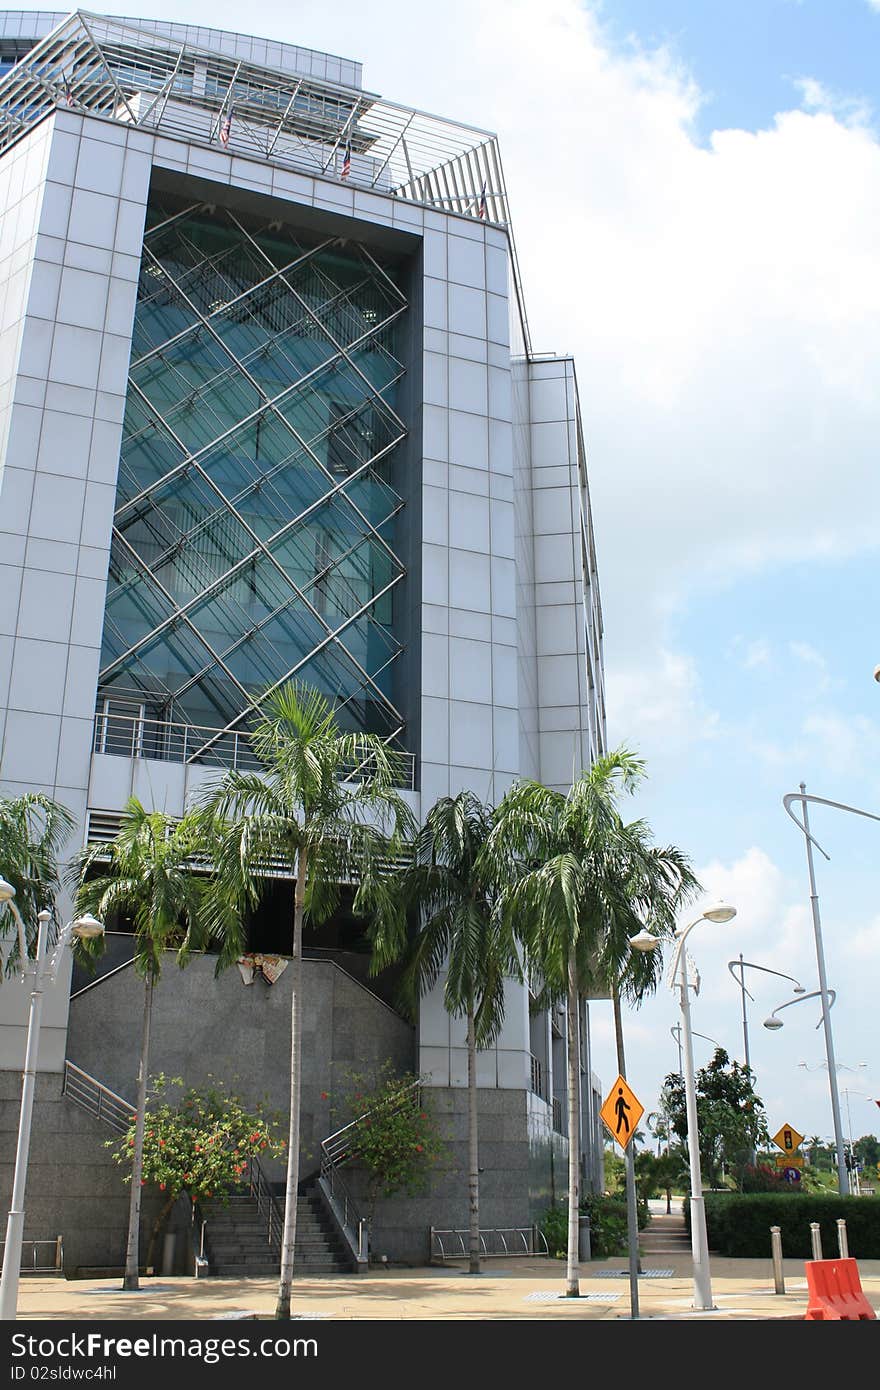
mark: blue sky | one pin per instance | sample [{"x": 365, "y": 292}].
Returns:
[
  {"x": 695, "y": 187},
  {"x": 747, "y": 55}
]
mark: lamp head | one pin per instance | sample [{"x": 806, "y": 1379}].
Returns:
[
  {"x": 773, "y": 1023},
  {"x": 799, "y": 989},
  {"x": 719, "y": 912},
  {"x": 644, "y": 941},
  {"x": 87, "y": 927},
  {"x": 7, "y": 892},
  {"x": 877, "y": 673}
]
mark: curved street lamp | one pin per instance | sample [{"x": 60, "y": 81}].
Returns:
[
  {"x": 719, "y": 912},
  {"x": 675, "y": 1030},
  {"x": 43, "y": 971},
  {"x": 773, "y": 1022},
  {"x": 742, "y": 965},
  {"x": 842, "y": 1175}
]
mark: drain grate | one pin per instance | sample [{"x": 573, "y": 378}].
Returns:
[
  {"x": 543, "y": 1297},
  {"x": 624, "y": 1274}
]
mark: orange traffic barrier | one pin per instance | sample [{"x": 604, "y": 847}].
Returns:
[{"x": 836, "y": 1292}]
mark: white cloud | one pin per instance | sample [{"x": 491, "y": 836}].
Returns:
[
  {"x": 661, "y": 699},
  {"x": 816, "y": 96},
  {"x": 757, "y": 654},
  {"x": 814, "y": 660},
  {"x": 864, "y": 943},
  {"x": 843, "y": 745}
]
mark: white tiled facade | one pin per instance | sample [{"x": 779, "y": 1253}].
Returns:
[{"x": 507, "y": 598}]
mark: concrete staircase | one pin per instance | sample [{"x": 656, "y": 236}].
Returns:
[
  {"x": 665, "y": 1236},
  {"x": 238, "y": 1245}
]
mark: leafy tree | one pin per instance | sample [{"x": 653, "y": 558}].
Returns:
[
  {"x": 396, "y": 1140},
  {"x": 730, "y": 1115},
  {"x": 199, "y": 1146},
  {"x": 319, "y": 812},
  {"x": 581, "y": 883},
  {"x": 867, "y": 1151},
  {"x": 667, "y": 1173},
  {"x": 452, "y": 886},
  {"x": 33, "y": 829},
  {"x": 146, "y": 874}
]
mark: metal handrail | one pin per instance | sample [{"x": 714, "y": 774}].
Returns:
[
  {"x": 132, "y": 735},
  {"x": 267, "y": 1203},
  {"x": 335, "y": 1148},
  {"x": 197, "y": 1236},
  {"x": 523, "y": 1240},
  {"x": 57, "y": 1261},
  {"x": 96, "y": 1098},
  {"x": 353, "y": 1225}
]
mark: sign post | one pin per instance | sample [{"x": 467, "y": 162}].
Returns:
[{"x": 620, "y": 1114}]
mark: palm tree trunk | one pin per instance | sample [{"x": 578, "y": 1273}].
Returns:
[
  {"x": 473, "y": 1146},
  {"x": 130, "y": 1279},
  {"x": 572, "y": 1286},
  {"x": 288, "y": 1240}
]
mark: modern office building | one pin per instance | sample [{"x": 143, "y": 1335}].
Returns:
[{"x": 269, "y": 408}]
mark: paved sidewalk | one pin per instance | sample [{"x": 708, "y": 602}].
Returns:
[{"x": 519, "y": 1288}]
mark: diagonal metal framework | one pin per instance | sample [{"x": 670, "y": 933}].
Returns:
[{"x": 254, "y": 528}]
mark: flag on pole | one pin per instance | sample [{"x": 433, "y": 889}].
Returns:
[
  {"x": 346, "y": 162},
  {"x": 225, "y": 128},
  {"x": 483, "y": 210}
]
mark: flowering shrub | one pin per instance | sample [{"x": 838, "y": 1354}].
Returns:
[
  {"x": 397, "y": 1141},
  {"x": 199, "y": 1146}
]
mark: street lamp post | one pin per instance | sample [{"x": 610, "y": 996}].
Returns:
[
  {"x": 719, "y": 912},
  {"x": 741, "y": 965},
  {"x": 842, "y": 1175},
  {"x": 847, "y": 1091},
  {"x": 43, "y": 972},
  {"x": 773, "y": 1022}
]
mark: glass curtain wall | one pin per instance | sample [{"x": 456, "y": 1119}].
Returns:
[{"x": 254, "y": 533}]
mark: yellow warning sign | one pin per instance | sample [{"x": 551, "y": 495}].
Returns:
[
  {"x": 789, "y": 1161},
  {"x": 621, "y": 1112},
  {"x": 788, "y": 1139}
]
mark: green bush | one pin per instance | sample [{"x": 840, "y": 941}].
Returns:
[
  {"x": 739, "y": 1225},
  {"x": 608, "y": 1225},
  {"x": 554, "y": 1225}
]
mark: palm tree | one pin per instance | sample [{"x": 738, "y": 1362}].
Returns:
[
  {"x": 145, "y": 874},
  {"x": 588, "y": 883},
  {"x": 451, "y": 886},
  {"x": 312, "y": 814},
  {"x": 33, "y": 828}
]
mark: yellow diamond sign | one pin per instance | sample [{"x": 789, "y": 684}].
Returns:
[
  {"x": 788, "y": 1139},
  {"x": 621, "y": 1112}
]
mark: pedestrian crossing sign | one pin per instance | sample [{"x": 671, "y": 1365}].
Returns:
[{"x": 621, "y": 1112}]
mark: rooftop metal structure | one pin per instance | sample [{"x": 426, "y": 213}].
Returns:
[
  {"x": 115, "y": 68},
  {"x": 118, "y": 70}
]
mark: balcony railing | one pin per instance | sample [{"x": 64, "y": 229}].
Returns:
[
  {"x": 134, "y": 736},
  {"x": 537, "y": 1078}
]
